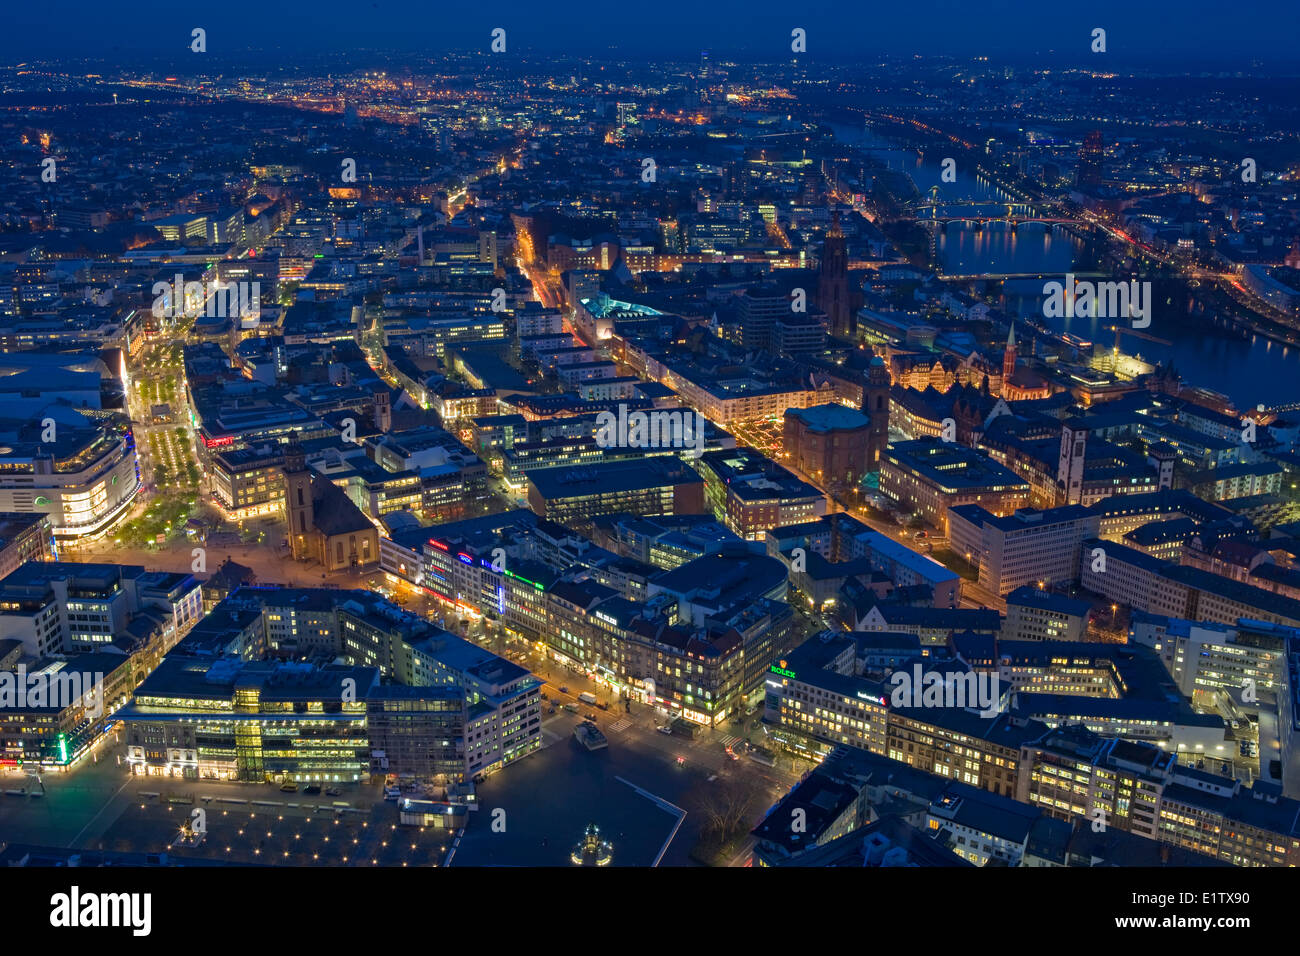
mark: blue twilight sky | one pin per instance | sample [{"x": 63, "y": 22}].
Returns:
[{"x": 1197, "y": 34}]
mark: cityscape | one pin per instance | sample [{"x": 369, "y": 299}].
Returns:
[{"x": 520, "y": 455}]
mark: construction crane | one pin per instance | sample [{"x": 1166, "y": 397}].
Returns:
[{"x": 1125, "y": 330}]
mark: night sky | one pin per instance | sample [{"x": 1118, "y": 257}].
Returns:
[{"x": 1197, "y": 34}]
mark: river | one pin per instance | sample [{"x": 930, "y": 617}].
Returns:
[{"x": 1251, "y": 371}]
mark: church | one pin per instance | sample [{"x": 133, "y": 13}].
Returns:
[
  {"x": 324, "y": 525},
  {"x": 1020, "y": 384}
]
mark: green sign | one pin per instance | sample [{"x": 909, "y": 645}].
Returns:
[{"x": 782, "y": 671}]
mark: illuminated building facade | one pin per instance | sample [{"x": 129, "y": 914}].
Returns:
[
  {"x": 250, "y": 721},
  {"x": 249, "y": 482},
  {"x": 82, "y": 474}
]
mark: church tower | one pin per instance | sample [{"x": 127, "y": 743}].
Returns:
[
  {"x": 875, "y": 405},
  {"x": 833, "y": 283},
  {"x": 298, "y": 507},
  {"x": 1009, "y": 359},
  {"x": 383, "y": 409}
]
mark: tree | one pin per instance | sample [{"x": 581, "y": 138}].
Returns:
[{"x": 727, "y": 807}]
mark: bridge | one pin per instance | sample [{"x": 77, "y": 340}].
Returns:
[
  {"x": 978, "y": 212},
  {"x": 984, "y": 212},
  {"x": 1012, "y": 220}
]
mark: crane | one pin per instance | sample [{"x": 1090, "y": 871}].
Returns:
[{"x": 1125, "y": 330}]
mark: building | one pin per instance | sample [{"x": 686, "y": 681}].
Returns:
[
  {"x": 838, "y": 546},
  {"x": 324, "y": 525},
  {"x": 833, "y": 294},
  {"x": 81, "y": 473},
  {"x": 458, "y": 711},
  {"x": 876, "y": 406},
  {"x": 666, "y": 541},
  {"x": 54, "y": 710},
  {"x": 248, "y": 482},
  {"x": 418, "y": 731},
  {"x": 751, "y": 494},
  {"x": 1030, "y": 547},
  {"x": 1205, "y": 659},
  {"x": 1072, "y": 773},
  {"x": 645, "y": 486},
  {"x": 828, "y": 443},
  {"x": 982, "y": 828},
  {"x": 1133, "y": 579},
  {"x": 819, "y": 692},
  {"x": 252, "y": 721},
  {"x": 1034, "y": 614},
  {"x": 930, "y": 477},
  {"x": 61, "y": 607},
  {"x": 23, "y": 538}
]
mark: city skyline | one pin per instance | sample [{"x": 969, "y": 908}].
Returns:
[{"x": 529, "y": 439}]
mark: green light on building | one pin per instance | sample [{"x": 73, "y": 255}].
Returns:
[{"x": 63, "y": 748}]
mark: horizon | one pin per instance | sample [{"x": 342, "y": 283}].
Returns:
[{"x": 1257, "y": 32}]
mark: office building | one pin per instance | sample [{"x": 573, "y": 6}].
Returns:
[
  {"x": 751, "y": 494},
  {"x": 649, "y": 486},
  {"x": 930, "y": 477}
]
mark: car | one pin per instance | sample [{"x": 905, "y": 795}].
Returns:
[
  {"x": 333, "y": 792},
  {"x": 665, "y": 729},
  {"x": 923, "y": 534},
  {"x": 312, "y": 789},
  {"x": 563, "y": 689},
  {"x": 590, "y": 717},
  {"x": 289, "y": 787},
  {"x": 544, "y": 697}
]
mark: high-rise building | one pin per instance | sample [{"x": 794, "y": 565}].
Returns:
[{"x": 1090, "y": 156}]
